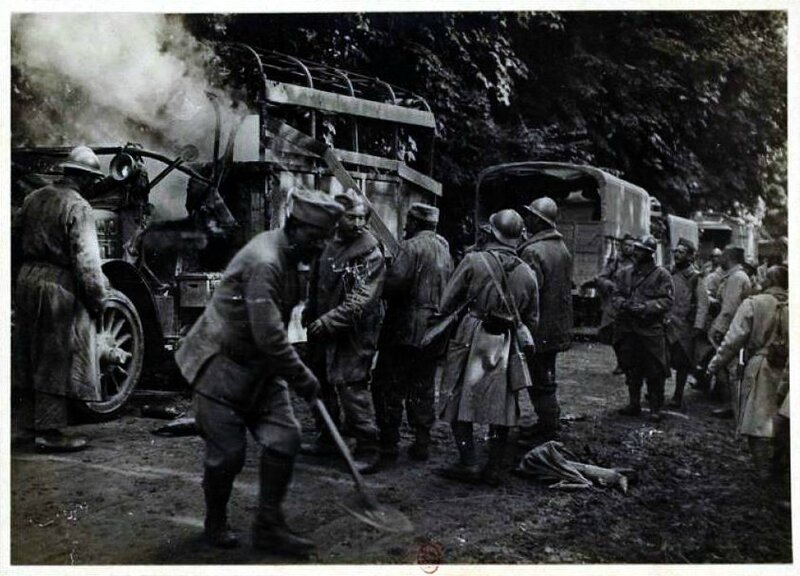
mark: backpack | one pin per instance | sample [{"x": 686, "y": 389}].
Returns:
[{"x": 777, "y": 352}]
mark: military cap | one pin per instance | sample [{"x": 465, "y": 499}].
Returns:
[
  {"x": 628, "y": 236},
  {"x": 686, "y": 243},
  {"x": 424, "y": 212},
  {"x": 350, "y": 199},
  {"x": 735, "y": 250},
  {"x": 313, "y": 207}
]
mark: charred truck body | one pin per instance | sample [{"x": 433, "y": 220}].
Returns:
[{"x": 306, "y": 125}]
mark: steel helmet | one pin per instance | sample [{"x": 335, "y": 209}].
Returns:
[
  {"x": 83, "y": 159},
  {"x": 545, "y": 208},
  {"x": 646, "y": 242},
  {"x": 507, "y": 226}
]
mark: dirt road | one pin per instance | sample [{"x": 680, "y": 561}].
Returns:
[{"x": 135, "y": 498}]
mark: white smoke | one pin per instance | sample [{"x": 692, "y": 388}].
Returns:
[{"x": 112, "y": 78}]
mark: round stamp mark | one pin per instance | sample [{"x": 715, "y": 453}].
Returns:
[{"x": 430, "y": 556}]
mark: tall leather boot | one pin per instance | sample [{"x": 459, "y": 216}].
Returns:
[
  {"x": 465, "y": 470},
  {"x": 655, "y": 389},
  {"x": 680, "y": 385},
  {"x": 217, "y": 489},
  {"x": 492, "y": 473},
  {"x": 270, "y": 531},
  {"x": 419, "y": 449},
  {"x": 761, "y": 450},
  {"x": 634, "y": 407}
]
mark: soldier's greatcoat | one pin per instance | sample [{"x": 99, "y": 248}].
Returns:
[
  {"x": 246, "y": 319},
  {"x": 688, "y": 309},
  {"x": 475, "y": 385},
  {"x": 345, "y": 294},
  {"x": 606, "y": 283},
  {"x": 641, "y": 338},
  {"x": 548, "y": 257},
  {"x": 733, "y": 289},
  {"x": 59, "y": 281},
  {"x": 414, "y": 285},
  {"x": 757, "y": 395}
]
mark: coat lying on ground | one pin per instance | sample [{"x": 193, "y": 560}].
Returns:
[
  {"x": 345, "y": 294},
  {"x": 757, "y": 399},
  {"x": 475, "y": 385},
  {"x": 414, "y": 285},
  {"x": 548, "y": 257},
  {"x": 546, "y": 463},
  {"x": 59, "y": 282}
]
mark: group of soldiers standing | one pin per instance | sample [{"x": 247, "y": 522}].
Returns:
[
  {"x": 240, "y": 364},
  {"x": 509, "y": 300},
  {"x": 722, "y": 326}
]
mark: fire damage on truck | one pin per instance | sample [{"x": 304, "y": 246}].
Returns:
[{"x": 303, "y": 124}]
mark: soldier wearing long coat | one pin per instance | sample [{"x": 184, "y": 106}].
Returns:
[
  {"x": 413, "y": 289},
  {"x": 734, "y": 287},
  {"x": 475, "y": 384},
  {"x": 686, "y": 319},
  {"x": 606, "y": 282},
  {"x": 345, "y": 313},
  {"x": 238, "y": 359},
  {"x": 547, "y": 255},
  {"x": 760, "y": 319},
  {"x": 643, "y": 298},
  {"x": 60, "y": 288}
]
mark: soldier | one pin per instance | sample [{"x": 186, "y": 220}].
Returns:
[
  {"x": 476, "y": 386},
  {"x": 606, "y": 282},
  {"x": 686, "y": 320},
  {"x": 642, "y": 299},
  {"x": 734, "y": 287},
  {"x": 60, "y": 290},
  {"x": 547, "y": 255},
  {"x": 712, "y": 272},
  {"x": 344, "y": 317},
  {"x": 238, "y": 359},
  {"x": 414, "y": 286},
  {"x": 760, "y": 322}
]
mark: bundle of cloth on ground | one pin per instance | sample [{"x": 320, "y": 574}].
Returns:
[{"x": 546, "y": 463}]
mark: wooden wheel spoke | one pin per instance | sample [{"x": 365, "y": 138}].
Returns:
[
  {"x": 117, "y": 327},
  {"x": 124, "y": 338},
  {"x": 113, "y": 379}
]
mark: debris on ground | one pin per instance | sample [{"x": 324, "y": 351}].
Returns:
[{"x": 547, "y": 463}]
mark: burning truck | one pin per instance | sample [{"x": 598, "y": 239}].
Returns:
[{"x": 306, "y": 124}]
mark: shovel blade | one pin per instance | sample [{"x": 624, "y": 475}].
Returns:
[{"x": 380, "y": 516}]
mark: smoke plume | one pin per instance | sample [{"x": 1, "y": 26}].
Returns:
[{"x": 109, "y": 79}]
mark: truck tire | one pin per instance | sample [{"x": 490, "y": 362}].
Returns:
[{"x": 120, "y": 342}]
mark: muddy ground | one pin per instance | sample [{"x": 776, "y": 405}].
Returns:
[{"x": 135, "y": 498}]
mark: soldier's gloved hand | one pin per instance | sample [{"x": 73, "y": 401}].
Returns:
[
  {"x": 307, "y": 389},
  {"x": 317, "y": 329}
]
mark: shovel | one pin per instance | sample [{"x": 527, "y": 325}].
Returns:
[{"x": 364, "y": 506}]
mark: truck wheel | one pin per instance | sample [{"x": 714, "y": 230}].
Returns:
[{"x": 120, "y": 354}]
